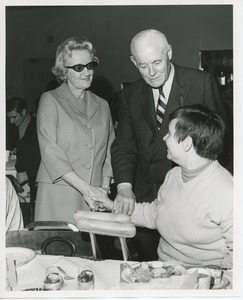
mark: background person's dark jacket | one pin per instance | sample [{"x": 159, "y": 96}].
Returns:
[{"x": 28, "y": 152}]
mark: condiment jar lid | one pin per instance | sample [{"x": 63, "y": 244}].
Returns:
[{"x": 214, "y": 267}]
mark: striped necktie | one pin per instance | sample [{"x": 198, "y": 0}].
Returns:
[{"x": 160, "y": 108}]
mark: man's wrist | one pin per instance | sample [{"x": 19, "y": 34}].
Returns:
[{"x": 124, "y": 185}]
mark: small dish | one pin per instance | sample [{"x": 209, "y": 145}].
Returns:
[
  {"x": 224, "y": 283},
  {"x": 21, "y": 255}
]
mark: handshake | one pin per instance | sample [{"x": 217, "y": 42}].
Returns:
[{"x": 98, "y": 200}]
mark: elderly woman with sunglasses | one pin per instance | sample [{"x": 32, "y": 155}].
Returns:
[{"x": 75, "y": 134}]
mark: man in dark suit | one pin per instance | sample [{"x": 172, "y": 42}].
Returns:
[
  {"x": 139, "y": 154},
  {"x": 23, "y": 133}
]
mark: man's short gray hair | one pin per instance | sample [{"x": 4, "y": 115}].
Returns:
[{"x": 148, "y": 36}]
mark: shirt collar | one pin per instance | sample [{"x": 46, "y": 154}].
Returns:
[{"x": 167, "y": 85}]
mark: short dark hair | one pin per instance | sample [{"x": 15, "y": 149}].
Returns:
[
  {"x": 16, "y": 104},
  {"x": 204, "y": 126}
]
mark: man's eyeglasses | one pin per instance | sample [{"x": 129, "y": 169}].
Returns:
[{"x": 79, "y": 68}]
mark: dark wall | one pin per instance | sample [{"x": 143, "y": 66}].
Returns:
[{"x": 33, "y": 34}]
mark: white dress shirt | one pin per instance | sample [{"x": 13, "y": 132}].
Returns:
[{"x": 166, "y": 87}]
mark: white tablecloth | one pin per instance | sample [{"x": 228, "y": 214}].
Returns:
[{"x": 106, "y": 272}]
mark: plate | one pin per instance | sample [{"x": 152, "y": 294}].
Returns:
[
  {"x": 126, "y": 273},
  {"x": 224, "y": 283},
  {"x": 21, "y": 255}
]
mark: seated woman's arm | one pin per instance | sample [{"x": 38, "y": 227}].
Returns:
[{"x": 144, "y": 214}]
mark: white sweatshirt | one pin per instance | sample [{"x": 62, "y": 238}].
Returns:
[{"x": 194, "y": 219}]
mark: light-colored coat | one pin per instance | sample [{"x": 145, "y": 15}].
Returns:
[{"x": 72, "y": 138}]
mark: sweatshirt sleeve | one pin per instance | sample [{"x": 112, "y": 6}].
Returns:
[
  {"x": 226, "y": 226},
  {"x": 223, "y": 217},
  {"x": 145, "y": 214}
]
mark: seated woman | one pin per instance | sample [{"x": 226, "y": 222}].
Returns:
[
  {"x": 194, "y": 208},
  {"x": 14, "y": 218}
]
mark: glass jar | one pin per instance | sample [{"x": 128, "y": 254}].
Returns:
[
  {"x": 86, "y": 280},
  {"x": 216, "y": 273}
]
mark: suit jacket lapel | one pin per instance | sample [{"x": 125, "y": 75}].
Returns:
[
  {"x": 176, "y": 99},
  {"x": 146, "y": 100}
]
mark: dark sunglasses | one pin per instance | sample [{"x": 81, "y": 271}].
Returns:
[{"x": 79, "y": 68}]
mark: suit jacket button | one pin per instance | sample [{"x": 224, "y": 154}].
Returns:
[
  {"x": 90, "y": 146},
  {"x": 89, "y": 126},
  {"x": 87, "y": 166}
]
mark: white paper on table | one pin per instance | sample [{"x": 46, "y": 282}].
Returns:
[
  {"x": 106, "y": 273},
  {"x": 70, "y": 267},
  {"x": 31, "y": 275}
]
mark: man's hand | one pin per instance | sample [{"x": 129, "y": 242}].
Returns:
[
  {"x": 124, "y": 202},
  {"x": 22, "y": 177}
]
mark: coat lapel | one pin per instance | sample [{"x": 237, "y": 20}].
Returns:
[{"x": 93, "y": 102}]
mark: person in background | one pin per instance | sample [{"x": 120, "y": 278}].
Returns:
[
  {"x": 193, "y": 211},
  {"x": 139, "y": 154},
  {"x": 75, "y": 133},
  {"x": 14, "y": 218},
  {"x": 23, "y": 132}
]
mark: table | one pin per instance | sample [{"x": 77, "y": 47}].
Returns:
[
  {"x": 106, "y": 273},
  {"x": 33, "y": 273}
]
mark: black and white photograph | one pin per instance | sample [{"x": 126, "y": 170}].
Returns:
[{"x": 122, "y": 137}]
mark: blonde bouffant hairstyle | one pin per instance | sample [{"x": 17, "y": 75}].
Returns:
[{"x": 64, "y": 52}]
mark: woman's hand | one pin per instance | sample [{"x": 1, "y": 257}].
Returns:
[
  {"x": 96, "y": 197},
  {"x": 99, "y": 204},
  {"x": 94, "y": 205},
  {"x": 106, "y": 189},
  {"x": 94, "y": 193}
]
